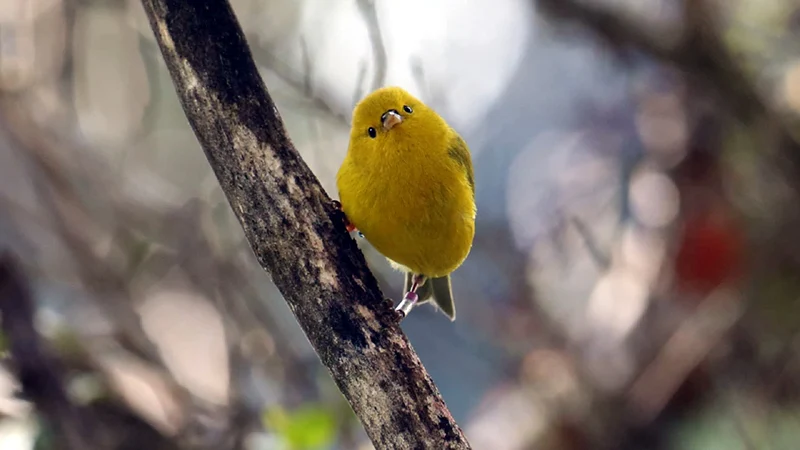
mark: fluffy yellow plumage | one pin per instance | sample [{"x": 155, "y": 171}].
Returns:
[{"x": 407, "y": 184}]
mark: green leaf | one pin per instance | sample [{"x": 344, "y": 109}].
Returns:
[
  {"x": 3, "y": 344},
  {"x": 738, "y": 421},
  {"x": 312, "y": 427},
  {"x": 711, "y": 430},
  {"x": 138, "y": 251},
  {"x": 45, "y": 439}
]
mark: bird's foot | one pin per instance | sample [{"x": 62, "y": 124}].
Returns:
[
  {"x": 411, "y": 298},
  {"x": 407, "y": 304},
  {"x": 396, "y": 315},
  {"x": 347, "y": 224}
]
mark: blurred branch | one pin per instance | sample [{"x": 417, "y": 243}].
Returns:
[
  {"x": 65, "y": 214},
  {"x": 600, "y": 257},
  {"x": 103, "y": 424},
  {"x": 76, "y": 229},
  {"x": 697, "y": 50},
  {"x": 307, "y": 69},
  {"x": 370, "y": 15},
  {"x": 294, "y": 230},
  {"x": 301, "y": 82},
  {"x": 686, "y": 349},
  {"x": 418, "y": 72},
  {"x": 37, "y": 371},
  {"x": 362, "y": 75}
]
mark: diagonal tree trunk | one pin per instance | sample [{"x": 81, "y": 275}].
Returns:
[{"x": 294, "y": 231}]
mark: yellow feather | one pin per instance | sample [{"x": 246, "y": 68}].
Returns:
[{"x": 409, "y": 189}]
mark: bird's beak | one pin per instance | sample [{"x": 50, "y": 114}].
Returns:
[{"x": 390, "y": 119}]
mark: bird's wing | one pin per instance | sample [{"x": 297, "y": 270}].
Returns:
[{"x": 460, "y": 153}]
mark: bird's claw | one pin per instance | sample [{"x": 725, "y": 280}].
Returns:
[
  {"x": 347, "y": 224},
  {"x": 396, "y": 316}
]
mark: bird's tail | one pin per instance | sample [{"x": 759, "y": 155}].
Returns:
[{"x": 437, "y": 289}]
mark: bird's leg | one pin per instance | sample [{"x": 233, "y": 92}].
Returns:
[
  {"x": 347, "y": 224},
  {"x": 411, "y": 298}
]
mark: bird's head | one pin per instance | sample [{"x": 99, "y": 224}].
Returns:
[{"x": 391, "y": 119}]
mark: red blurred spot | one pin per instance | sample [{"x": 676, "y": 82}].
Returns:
[{"x": 709, "y": 253}]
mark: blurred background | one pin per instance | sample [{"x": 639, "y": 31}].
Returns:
[{"x": 633, "y": 282}]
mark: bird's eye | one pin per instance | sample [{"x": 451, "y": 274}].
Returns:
[
  {"x": 407, "y": 109},
  {"x": 372, "y": 133}
]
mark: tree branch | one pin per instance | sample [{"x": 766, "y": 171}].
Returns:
[{"x": 295, "y": 232}]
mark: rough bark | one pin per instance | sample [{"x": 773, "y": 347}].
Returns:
[{"x": 294, "y": 231}]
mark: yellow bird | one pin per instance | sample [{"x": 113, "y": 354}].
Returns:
[{"x": 407, "y": 185}]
